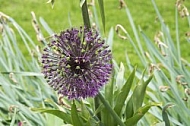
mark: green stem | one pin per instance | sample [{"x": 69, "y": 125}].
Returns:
[
  {"x": 112, "y": 112},
  {"x": 85, "y": 15}
]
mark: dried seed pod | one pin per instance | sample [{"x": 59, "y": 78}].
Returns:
[
  {"x": 12, "y": 77},
  {"x": 187, "y": 91},
  {"x": 164, "y": 88},
  {"x": 120, "y": 27}
]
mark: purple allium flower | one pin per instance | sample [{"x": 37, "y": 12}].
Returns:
[{"x": 77, "y": 63}]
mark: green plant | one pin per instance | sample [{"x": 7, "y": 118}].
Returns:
[
  {"x": 114, "y": 98},
  {"x": 163, "y": 59},
  {"x": 111, "y": 107},
  {"x": 123, "y": 101},
  {"x": 22, "y": 85}
]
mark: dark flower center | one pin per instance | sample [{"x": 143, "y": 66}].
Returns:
[{"x": 78, "y": 65}]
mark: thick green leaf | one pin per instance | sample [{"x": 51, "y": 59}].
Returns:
[
  {"x": 105, "y": 115},
  {"x": 165, "y": 115},
  {"x": 106, "y": 118},
  {"x": 137, "y": 98},
  {"x": 85, "y": 14},
  {"x": 74, "y": 114},
  {"x": 101, "y": 4},
  {"x": 64, "y": 116},
  {"x": 129, "y": 110},
  {"x": 139, "y": 114},
  {"x": 124, "y": 93},
  {"x": 84, "y": 113},
  {"x": 110, "y": 110},
  {"x": 165, "y": 118},
  {"x": 139, "y": 93}
]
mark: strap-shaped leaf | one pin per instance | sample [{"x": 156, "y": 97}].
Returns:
[
  {"x": 124, "y": 93},
  {"x": 165, "y": 115},
  {"x": 85, "y": 14},
  {"x": 136, "y": 100},
  {"x": 101, "y": 4},
  {"x": 74, "y": 115},
  {"x": 84, "y": 113},
  {"x": 139, "y": 93},
  {"x": 110, "y": 110},
  {"x": 139, "y": 114},
  {"x": 64, "y": 116},
  {"x": 22, "y": 73},
  {"x": 129, "y": 111}
]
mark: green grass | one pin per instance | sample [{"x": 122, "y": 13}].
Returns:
[{"x": 143, "y": 14}]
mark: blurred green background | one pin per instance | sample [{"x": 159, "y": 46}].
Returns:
[{"x": 142, "y": 12}]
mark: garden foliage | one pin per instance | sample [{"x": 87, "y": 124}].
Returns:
[{"x": 157, "y": 93}]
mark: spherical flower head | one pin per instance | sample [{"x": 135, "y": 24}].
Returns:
[{"x": 77, "y": 63}]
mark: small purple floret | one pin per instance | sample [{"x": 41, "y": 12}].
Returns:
[{"x": 77, "y": 63}]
